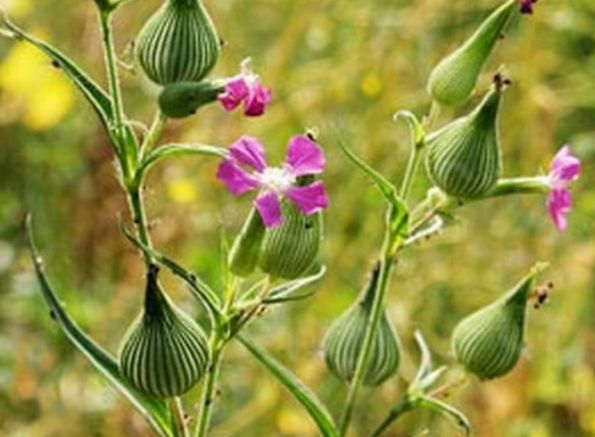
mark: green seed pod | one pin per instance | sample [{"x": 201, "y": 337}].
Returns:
[
  {"x": 452, "y": 81},
  {"x": 343, "y": 342},
  {"x": 489, "y": 342},
  {"x": 464, "y": 157},
  {"x": 182, "y": 99},
  {"x": 164, "y": 352},
  {"x": 178, "y": 43},
  {"x": 244, "y": 253},
  {"x": 290, "y": 249}
]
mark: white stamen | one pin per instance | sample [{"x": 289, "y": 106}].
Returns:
[{"x": 276, "y": 179}]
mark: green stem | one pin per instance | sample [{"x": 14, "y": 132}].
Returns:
[
  {"x": 410, "y": 172},
  {"x": 386, "y": 265},
  {"x": 400, "y": 409},
  {"x": 114, "y": 86},
  {"x": 207, "y": 399},
  {"x": 135, "y": 203},
  {"x": 153, "y": 135},
  {"x": 177, "y": 412}
]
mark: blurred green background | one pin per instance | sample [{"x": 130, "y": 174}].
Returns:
[{"x": 332, "y": 63}]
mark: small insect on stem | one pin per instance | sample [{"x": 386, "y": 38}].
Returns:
[{"x": 540, "y": 294}]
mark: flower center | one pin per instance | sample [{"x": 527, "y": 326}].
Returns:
[{"x": 276, "y": 179}]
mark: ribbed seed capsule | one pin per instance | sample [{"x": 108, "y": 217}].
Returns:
[
  {"x": 244, "y": 253},
  {"x": 183, "y": 99},
  {"x": 290, "y": 249},
  {"x": 343, "y": 342},
  {"x": 164, "y": 353},
  {"x": 178, "y": 43},
  {"x": 489, "y": 342},
  {"x": 452, "y": 81},
  {"x": 464, "y": 157}
]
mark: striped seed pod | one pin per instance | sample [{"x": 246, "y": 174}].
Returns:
[
  {"x": 164, "y": 352},
  {"x": 289, "y": 250},
  {"x": 178, "y": 43},
  {"x": 489, "y": 342},
  {"x": 452, "y": 81},
  {"x": 244, "y": 253},
  {"x": 343, "y": 342},
  {"x": 183, "y": 99},
  {"x": 464, "y": 157}
]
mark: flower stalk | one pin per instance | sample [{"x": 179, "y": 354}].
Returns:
[{"x": 389, "y": 250}]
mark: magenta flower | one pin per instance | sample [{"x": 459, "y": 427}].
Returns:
[
  {"x": 245, "y": 88},
  {"x": 527, "y": 6},
  {"x": 246, "y": 170},
  {"x": 564, "y": 169}
]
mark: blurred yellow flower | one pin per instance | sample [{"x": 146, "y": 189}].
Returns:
[
  {"x": 40, "y": 94},
  {"x": 371, "y": 85},
  {"x": 291, "y": 422},
  {"x": 182, "y": 191},
  {"x": 17, "y": 8}
]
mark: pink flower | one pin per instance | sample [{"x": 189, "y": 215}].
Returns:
[
  {"x": 527, "y": 6},
  {"x": 304, "y": 157},
  {"x": 245, "y": 88},
  {"x": 564, "y": 169}
]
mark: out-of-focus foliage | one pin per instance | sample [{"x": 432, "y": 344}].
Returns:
[{"x": 333, "y": 64}]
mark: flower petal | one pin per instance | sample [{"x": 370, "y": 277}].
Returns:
[
  {"x": 565, "y": 166},
  {"x": 309, "y": 199},
  {"x": 527, "y": 6},
  {"x": 559, "y": 203},
  {"x": 248, "y": 151},
  {"x": 269, "y": 208},
  {"x": 304, "y": 156},
  {"x": 234, "y": 93},
  {"x": 257, "y": 100},
  {"x": 235, "y": 178}
]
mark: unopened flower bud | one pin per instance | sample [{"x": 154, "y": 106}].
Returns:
[
  {"x": 464, "y": 157},
  {"x": 452, "y": 81},
  {"x": 290, "y": 249},
  {"x": 178, "y": 43},
  {"x": 342, "y": 344},
  {"x": 244, "y": 253},
  {"x": 489, "y": 342},
  {"x": 164, "y": 352},
  {"x": 183, "y": 99}
]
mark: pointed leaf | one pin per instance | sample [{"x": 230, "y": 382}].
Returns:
[
  {"x": 199, "y": 289},
  {"x": 418, "y": 133},
  {"x": 171, "y": 150},
  {"x": 434, "y": 404},
  {"x": 386, "y": 187},
  {"x": 286, "y": 292},
  {"x": 300, "y": 392},
  {"x": 425, "y": 361},
  {"x": 154, "y": 410}
]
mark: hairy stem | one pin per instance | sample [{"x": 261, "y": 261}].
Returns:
[
  {"x": 114, "y": 87},
  {"x": 386, "y": 265},
  {"x": 154, "y": 133},
  {"x": 400, "y": 409},
  {"x": 177, "y": 412},
  {"x": 210, "y": 382}
]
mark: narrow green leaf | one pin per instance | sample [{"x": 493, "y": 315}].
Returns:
[
  {"x": 199, "y": 289},
  {"x": 306, "y": 397},
  {"x": 426, "y": 375},
  {"x": 447, "y": 410},
  {"x": 154, "y": 410},
  {"x": 417, "y": 130},
  {"x": 386, "y": 187},
  {"x": 425, "y": 361},
  {"x": 171, "y": 150},
  {"x": 286, "y": 292}
]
